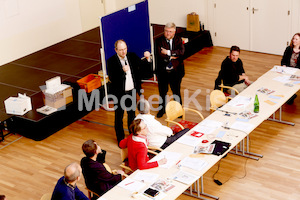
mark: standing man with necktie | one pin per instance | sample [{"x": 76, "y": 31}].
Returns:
[
  {"x": 169, "y": 51},
  {"x": 125, "y": 82}
]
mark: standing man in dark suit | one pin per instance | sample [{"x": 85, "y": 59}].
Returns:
[
  {"x": 123, "y": 73},
  {"x": 169, "y": 51}
]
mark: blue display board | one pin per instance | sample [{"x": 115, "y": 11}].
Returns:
[{"x": 132, "y": 25}]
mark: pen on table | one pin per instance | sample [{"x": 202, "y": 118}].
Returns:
[
  {"x": 129, "y": 183},
  {"x": 178, "y": 162}
]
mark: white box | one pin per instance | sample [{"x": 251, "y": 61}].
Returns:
[
  {"x": 18, "y": 105},
  {"x": 28, "y": 101},
  {"x": 53, "y": 82}
]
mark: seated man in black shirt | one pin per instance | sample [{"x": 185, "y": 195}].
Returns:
[
  {"x": 232, "y": 72},
  {"x": 97, "y": 178}
]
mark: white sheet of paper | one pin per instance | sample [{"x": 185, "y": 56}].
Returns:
[
  {"x": 286, "y": 70},
  {"x": 211, "y": 123},
  {"x": 239, "y": 101},
  {"x": 189, "y": 140},
  {"x": 282, "y": 79},
  {"x": 145, "y": 176},
  {"x": 204, "y": 129},
  {"x": 193, "y": 163},
  {"x": 56, "y": 89},
  {"x": 185, "y": 177},
  {"x": 131, "y": 185},
  {"x": 172, "y": 158},
  {"x": 242, "y": 126}
]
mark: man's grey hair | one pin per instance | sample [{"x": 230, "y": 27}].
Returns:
[
  {"x": 170, "y": 25},
  {"x": 72, "y": 172},
  {"x": 143, "y": 106}
]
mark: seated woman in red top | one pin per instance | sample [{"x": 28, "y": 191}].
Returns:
[{"x": 136, "y": 143}]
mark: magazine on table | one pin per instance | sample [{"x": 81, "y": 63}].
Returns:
[
  {"x": 204, "y": 149},
  {"x": 248, "y": 114},
  {"x": 162, "y": 185},
  {"x": 295, "y": 78},
  {"x": 265, "y": 91},
  {"x": 47, "y": 110}
]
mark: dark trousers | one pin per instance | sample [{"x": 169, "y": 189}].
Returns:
[
  {"x": 119, "y": 114},
  {"x": 173, "y": 138},
  {"x": 172, "y": 79}
]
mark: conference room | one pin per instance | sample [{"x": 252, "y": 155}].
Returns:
[{"x": 31, "y": 168}]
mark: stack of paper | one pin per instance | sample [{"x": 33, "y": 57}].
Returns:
[
  {"x": 185, "y": 177},
  {"x": 131, "y": 185},
  {"x": 171, "y": 157},
  {"x": 194, "y": 163}
]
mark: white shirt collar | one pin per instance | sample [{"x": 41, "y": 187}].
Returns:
[{"x": 139, "y": 139}]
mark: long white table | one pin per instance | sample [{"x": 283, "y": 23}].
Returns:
[{"x": 237, "y": 138}]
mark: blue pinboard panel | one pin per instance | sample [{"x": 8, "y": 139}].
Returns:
[{"x": 130, "y": 24}]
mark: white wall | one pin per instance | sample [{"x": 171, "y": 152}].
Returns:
[
  {"x": 163, "y": 11},
  {"x": 120, "y": 4},
  {"x": 295, "y": 12},
  {"x": 29, "y": 25},
  {"x": 90, "y": 11}
]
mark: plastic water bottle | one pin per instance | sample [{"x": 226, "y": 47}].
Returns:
[{"x": 256, "y": 104}]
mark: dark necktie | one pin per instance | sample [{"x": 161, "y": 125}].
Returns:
[
  {"x": 169, "y": 66},
  {"x": 169, "y": 44},
  {"x": 125, "y": 65}
]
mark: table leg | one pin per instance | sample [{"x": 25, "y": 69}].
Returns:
[
  {"x": 245, "y": 153},
  {"x": 198, "y": 191},
  {"x": 280, "y": 120}
]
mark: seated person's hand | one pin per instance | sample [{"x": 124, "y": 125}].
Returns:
[
  {"x": 247, "y": 81},
  {"x": 115, "y": 172},
  {"x": 162, "y": 161}
]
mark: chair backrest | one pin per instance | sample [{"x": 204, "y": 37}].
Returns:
[
  {"x": 92, "y": 194},
  {"x": 174, "y": 110},
  {"x": 124, "y": 154},
  {"x": 107, "y": 167},
  {"x": 217, "y": 99},
  {"x": 222, "y": 86},
  {"x": 46, "y": 196},
  {"x": 124, "y": 164}
]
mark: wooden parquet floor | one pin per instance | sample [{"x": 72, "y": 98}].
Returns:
[{"x": 28, "y": 168}]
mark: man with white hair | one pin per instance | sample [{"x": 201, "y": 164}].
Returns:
[
  {"x": 159, "y": 135},
  {"x": 169, "y": 51},
  {"x": 66, "y": 188}
]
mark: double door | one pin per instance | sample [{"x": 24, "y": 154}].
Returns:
[{"x": 255, "y": 25}]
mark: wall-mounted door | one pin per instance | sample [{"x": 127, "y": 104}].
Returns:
[
  {"x": 270, "y": 26},
  {"x": 255, "y": 25},
  {"x": 232, "y": 26}
]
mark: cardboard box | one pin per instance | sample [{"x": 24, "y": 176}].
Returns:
[
  {"x": 58, "y": 99},
  {"x": 18, "y": 105},
  {"x": 90, "y": 82}
]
